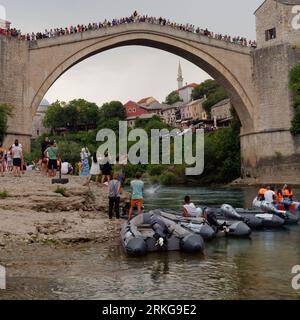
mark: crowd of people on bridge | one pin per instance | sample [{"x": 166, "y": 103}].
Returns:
[{"x": 134, "y": 18}]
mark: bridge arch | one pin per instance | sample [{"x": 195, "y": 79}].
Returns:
[{"x": 229, "y": 64}]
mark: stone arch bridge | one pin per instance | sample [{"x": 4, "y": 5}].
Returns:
[{"x": 255, "y": 85}]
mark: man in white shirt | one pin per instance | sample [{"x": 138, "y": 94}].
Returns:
[
  {"x": 270, "y": 195},
  {"x": 190, "y": 210}
]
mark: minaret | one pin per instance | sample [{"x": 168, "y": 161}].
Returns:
[{"x": 180, "y": 78}]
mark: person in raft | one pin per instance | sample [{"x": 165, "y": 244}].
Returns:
[
  {"x": 190, "y": 210},
  {"x": 137, "y": 198}
]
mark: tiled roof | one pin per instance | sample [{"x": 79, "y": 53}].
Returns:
[
  {"x": 221, "y": 103},
  {"x": 191, "y": 85}
]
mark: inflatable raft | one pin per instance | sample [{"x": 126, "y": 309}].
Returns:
[
  {"x": 150, "y": 232},
  {"x": 287, "y": 216},
  {"x": 202, "y": 227},
  {"x": 254, "y": 219}
]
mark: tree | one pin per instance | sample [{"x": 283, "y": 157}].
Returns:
[
  {"x": 83, "y": 113},
  {"x": 205, "y": 88},
  {"x": 213, "y": 92},
  {"x": 5, "y": 112},
  {"x": 77, "y": 115},
  {"x": 295, "y": 86},
  {"x": 173, "y": 97},
  {"x": 148, "y": 124},
  {"x": 54, "y": 117},
  {"x": 113, "y": 109},
  {"x": 213, "y": 98},
  {"x": 110, "y": 115}
]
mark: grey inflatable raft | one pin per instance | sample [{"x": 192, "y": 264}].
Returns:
[
  {"x": 257, "y": 219},
  {"x": 201, "y": 226},
  {"x": 150, "y": 232}
]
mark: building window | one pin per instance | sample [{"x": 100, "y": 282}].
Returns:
[{"x": 270, "y": 34}]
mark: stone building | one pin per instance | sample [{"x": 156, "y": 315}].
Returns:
[
  {"x": 277, "y": 22},
  {"x": 156, "y": 108},
  {"x": 170, "y": 114},
  {"x": 38, "y": 127},
  {"x": 194, "y": 111},
  {"x": 221, "y": 110}
]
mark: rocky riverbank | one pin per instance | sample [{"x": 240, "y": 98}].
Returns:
[{"x": 32, "y": 210}]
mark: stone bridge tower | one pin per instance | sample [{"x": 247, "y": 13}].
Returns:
[{"x": 271, "y": 153}]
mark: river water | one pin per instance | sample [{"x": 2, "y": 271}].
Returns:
[{"x": 256, "y": 268}]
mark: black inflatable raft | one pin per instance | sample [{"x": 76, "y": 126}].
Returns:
[
  {"x": 150, "y": 232},
  {"x": 204, "y": 228}
]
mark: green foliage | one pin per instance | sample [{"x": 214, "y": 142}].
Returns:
[
  {"x": 295, "y": 78},
  {"x": 61, "y": 190},
  {"x": 4, "y": 194},
  {"x": 149, "y": 124},
  {"x": 113, "y": 109},
  {"x": 69, "y": 151},
  {"x": 222, "y": 154},
  {"x": 173, "y": 97},
  {"x": 154, "y": 179},
  {"x": 295, "y": 129},
  {"x": 205, "y": 88},
  {"x": 5, "y": 112},
  {"x": 156, "y": 170},
  {"x": 131, "y": 170},
  {"x": 168, "y": 179},
  {"x": 213, "y": 92},
  {"x": 110, "y": 115},
  {"x": 295, "y": 85},
  {"x": 75, "y": 115},
  {"x": 214, "y": 98},
  {"x": 54, "y": 116}
]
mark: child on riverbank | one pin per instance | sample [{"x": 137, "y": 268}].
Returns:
[{"x": 137, "y": 195}]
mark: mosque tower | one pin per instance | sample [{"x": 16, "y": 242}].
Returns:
[{"x": 180, "y": 78}]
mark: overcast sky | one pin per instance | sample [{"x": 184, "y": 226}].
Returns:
[{"x": 129, "y": 73}]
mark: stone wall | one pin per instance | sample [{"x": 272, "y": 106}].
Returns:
[
  {"x": 13, "y": 69},
  {"x": 273, "y": 14},
  {"x": 271, "y": 153}
]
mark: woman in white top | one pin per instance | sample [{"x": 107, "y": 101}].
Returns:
[
  {"x": 190, "y": 210},
  {"x": 17, "y": 155},
  {"x": 95, "y": 170}
]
